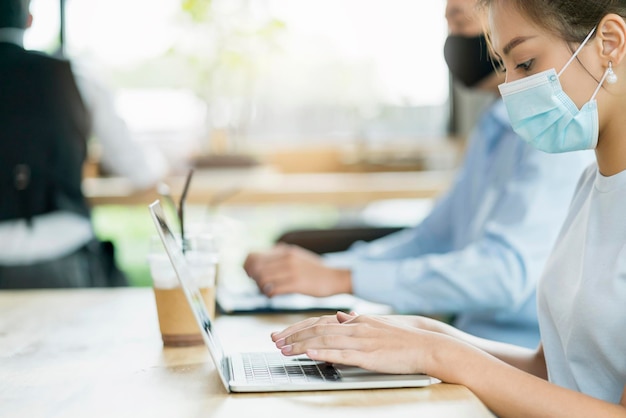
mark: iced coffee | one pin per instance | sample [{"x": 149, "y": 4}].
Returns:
[{"x": 177, "y": 323}]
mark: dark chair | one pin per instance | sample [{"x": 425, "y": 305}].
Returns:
[{"x": 336, "y": 239}]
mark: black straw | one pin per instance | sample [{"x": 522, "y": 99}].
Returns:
[{"x": 181, "y": 208}]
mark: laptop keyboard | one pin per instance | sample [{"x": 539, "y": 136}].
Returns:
[{"x": 274, "y": 367}]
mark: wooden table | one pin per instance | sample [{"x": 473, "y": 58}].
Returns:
[
  {"x": 266, "y": 185},
  {"x": 97, "y": 353}
]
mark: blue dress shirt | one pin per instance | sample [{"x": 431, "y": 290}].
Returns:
[{"x": 480, "y": 251}]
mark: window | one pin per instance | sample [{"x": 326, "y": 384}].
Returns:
[
  {"x": 266, "y": 71},
  {"x": 44, "y": 35}
]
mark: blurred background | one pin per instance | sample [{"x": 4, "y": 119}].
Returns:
[{"x": 363, "y": 82}]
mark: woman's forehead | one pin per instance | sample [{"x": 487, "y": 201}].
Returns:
[{"x": 506, "y": 23}]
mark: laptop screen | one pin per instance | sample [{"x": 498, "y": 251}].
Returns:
[{"x": 187, "y": 282}]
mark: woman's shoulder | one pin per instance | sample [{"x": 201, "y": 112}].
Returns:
[{"x": 585, "y": 184}]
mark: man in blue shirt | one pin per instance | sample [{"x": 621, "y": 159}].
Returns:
[{"x": 478, "y": 254}]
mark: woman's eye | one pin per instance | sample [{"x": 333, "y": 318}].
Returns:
[{"x": 526, "y": 65}]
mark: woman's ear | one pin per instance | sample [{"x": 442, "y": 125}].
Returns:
[{"x": 612, "y": 35}]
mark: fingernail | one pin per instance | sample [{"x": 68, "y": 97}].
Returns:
[
  {"x": 286, "y": 349},
  {"x": 280, "y": 343}
]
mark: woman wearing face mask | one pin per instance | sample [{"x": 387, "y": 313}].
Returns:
[
  {"x": 480, "y": 251},
  {"x": 565, "y": 91}
]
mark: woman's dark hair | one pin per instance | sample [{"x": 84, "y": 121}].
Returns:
[
  {"x": 571, "y": 20},
  {"x": 13, "y": 13}
]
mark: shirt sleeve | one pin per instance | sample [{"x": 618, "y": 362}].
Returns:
[
  {"x": 434, "y": 234},
  {"x": 120, "y": 153},
  {"x": 430, "y": 236}
]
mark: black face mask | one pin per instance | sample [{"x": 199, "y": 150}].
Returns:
[{"x": 468, "y": 59}]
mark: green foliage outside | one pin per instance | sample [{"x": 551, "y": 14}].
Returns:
[{"x": 130, "y": 229}]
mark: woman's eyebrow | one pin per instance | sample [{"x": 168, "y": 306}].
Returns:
[{"x": 513, "y": 43}]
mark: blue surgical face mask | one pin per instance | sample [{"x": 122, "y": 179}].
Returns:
[{"x": 543, "y": 115}]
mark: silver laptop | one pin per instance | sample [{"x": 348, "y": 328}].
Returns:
[
  {"x": 269, "y": 371},
  {"x": 240, "y": 294}
]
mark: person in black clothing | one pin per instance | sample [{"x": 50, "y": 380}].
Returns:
[{"x": 45, "y": 220}]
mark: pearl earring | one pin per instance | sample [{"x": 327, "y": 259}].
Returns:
[{"x": 611, "y": 77}]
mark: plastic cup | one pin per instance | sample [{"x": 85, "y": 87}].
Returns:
[{"x": 177, "y": 324}]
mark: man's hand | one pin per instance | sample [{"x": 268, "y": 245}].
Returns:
[{"x": 292, "y": 269}]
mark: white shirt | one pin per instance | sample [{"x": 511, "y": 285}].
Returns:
[
  {"x": 56, "y": 234},
  {"x": 582, "y": 293}
]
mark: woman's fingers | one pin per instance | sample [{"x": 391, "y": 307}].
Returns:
[
  {"x": 327, "y": 319},
  {"x": 311, "y": 339},
  {"x": 344, "y": 317},
  {"x": 347, "y": 357}
]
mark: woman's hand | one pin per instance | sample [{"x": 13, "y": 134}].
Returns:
[{"x": 379, "y": 343}]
